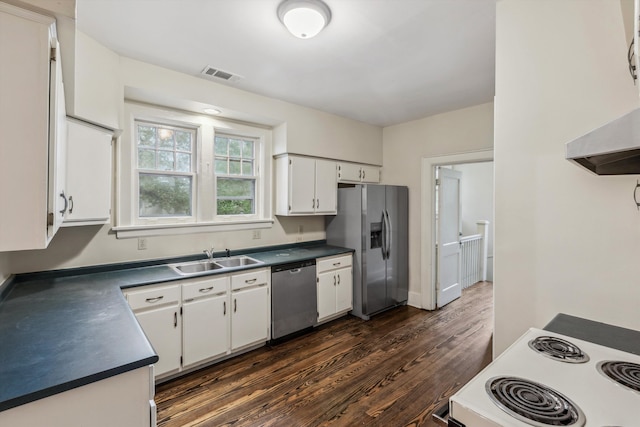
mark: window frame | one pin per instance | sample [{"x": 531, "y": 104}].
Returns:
[{"x": 127, "y": 222}]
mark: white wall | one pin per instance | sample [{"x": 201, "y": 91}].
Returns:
[
  {"x": 308, "y": 131},
  {"x": 476, "y": 199},
  {"x": 406, "y": 144},
  {"x": 565, "y": 240}
]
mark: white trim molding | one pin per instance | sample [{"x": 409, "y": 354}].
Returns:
[
  {"x": 427, "y": 224},
  {"x": 131, "y": 231}
]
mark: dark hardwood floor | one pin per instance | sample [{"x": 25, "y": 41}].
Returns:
[{"x": 393, "y": 370}]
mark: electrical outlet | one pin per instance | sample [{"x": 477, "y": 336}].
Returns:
[
  {"x": 257, "y": 234},
  {"x": 142, "y": 243}
]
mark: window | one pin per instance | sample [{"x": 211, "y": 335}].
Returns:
[
  {"x": 185, "y": 173},
  {"x": 165, "y": 170},
  {"x": 235, "y": 172}
]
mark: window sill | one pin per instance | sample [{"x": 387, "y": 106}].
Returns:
[{"x": 132, "y": 231}]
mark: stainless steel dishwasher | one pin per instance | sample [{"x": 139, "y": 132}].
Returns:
[{"x": 293, "y": 298}]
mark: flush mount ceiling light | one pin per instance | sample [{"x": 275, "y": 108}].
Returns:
[
  {"x": 304, "y": 18},
  {"x": 212, "y": 111}
]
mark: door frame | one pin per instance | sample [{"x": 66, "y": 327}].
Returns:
[{"x": 428, "y": 201}]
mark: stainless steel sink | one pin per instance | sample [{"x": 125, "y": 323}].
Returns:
[
  {"x": 236, "y": 261},
  {"x": 196, "y": 267}
]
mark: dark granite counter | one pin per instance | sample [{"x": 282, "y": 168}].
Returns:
[
  {"x": 64, "y": 329},
  {"x": 599, "y": 333}
]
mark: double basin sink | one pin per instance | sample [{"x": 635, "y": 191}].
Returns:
[{"x": 196, "y": 267}]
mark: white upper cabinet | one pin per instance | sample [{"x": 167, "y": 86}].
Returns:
[
  {"x": 33, "y": 129},
  {"x": 353, "y": 172},
  {"x": 89, "y": 174},
  {"x": 305, "y": 186}
]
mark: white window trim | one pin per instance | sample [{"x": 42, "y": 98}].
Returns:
[{"x": 127, "y": 224}]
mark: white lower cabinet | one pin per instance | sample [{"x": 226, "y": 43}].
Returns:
[
  {"x": 250, "y": 318},
  {"x": 196, "y": 321},
  {"x": 334, "y": 286},
  {"x": 157, "y": 309},
  {"x": 205, "y": 320}
]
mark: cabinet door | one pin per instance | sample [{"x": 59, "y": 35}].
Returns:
[
  {"x": 370, "y": 174},
  {"x": 205, "y": 329},
  {"x": 301, "y": 185},
  {"x": 88, "y": 174},
  {"x": 162, "y": 328},
  {"x": 326, "y": 187},
  {"x": 249, "y": 317},
  {"x": 58, "y": 197},
  {"x": 327, "y": 283},
  {"x": 349, "y": 172},
  {"x": 344, "y": 289}
]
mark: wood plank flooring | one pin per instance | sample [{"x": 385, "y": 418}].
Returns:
[{"x": 393, "y": 370}]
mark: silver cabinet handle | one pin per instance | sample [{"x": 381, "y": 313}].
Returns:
[
  {"x": 235, "y": 305},
  {"x": 248, "y": 281},
  {"x": 317, "y": 203},
  {"x": 175, "y": 319},
  {"x": 154, "y": 299},
  {"x": 224, "y": 308},
  {"x": 313, "y": 203},
  {"x": 334, "y": 280},
  {"x": 360, "y": 174},
  {"x": 66, "y": 203},
  {"x": 363, "y": 174},
  {"x": 205, "y": 290},
  {"x": 70, "y": 204},
  {"x": 336, "y": 264},
  {"x": 338, "y": 279}
]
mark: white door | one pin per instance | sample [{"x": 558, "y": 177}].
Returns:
[
  {"x": 204, "y": 329},
  {"x": 162, "y": 328},
  {"x": 448, "y": 237},
  {"x": 302, "y": 176},
  {"x": 249, "y": 316},
  {"x": 326, "y": 187}
]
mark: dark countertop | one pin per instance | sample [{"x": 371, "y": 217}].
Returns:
[
  {"x": 64, "y": 329},
  {"x": 596, "y": 332}
]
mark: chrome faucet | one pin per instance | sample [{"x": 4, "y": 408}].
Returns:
[
  {"x": 228, "y": 253},
  {"x": 209, "y": 253}
]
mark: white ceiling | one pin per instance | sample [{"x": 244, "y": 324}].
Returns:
[{"x": 378, "y": 61}]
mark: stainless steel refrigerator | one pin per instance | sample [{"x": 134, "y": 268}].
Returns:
[{"x": 373, "y": 220}]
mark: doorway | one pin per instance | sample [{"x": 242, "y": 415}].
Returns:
[{"x": 428, "y": 220}]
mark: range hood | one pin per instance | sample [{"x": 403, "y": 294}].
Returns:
[{"x": 612, "y": 149}]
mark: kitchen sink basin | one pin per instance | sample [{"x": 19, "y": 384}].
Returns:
[
  {"x": 236, "y": 261},
  {"x": 196, "y": 267}
]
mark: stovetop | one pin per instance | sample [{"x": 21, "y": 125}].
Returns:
[{"x": 568, "y": 387}]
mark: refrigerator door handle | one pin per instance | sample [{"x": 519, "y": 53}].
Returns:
[
  {"x": 388, "y": 229},
  {"x": 383, "y": 248}
]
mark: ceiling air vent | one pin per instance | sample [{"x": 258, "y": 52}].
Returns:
[{"x": 216, "y": 73}]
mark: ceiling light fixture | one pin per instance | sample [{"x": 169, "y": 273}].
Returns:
[
  {"x": 212, "y": 111},
  {"x": 304, "y": 18}
]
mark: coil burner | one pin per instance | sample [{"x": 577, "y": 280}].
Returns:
[
  {"x": 626, "y": 374},
  {"x": 533, "y": 403},
  {"x": 558, "y": 349}
]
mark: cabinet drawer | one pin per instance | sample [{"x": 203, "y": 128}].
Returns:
[
  {"x": 326, "y": 264},
  {"x": 153, "y": 297},
  {"x": 251, "y": 278},
  {"x": 206, "y": 287}
]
